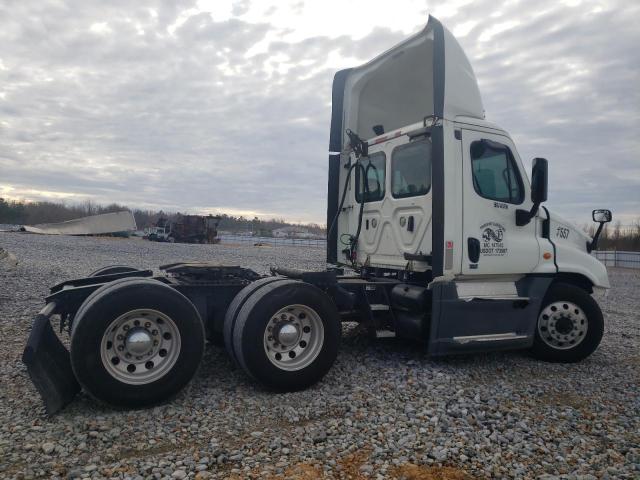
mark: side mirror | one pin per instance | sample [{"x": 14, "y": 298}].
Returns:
[
  {"x": 539, "y": 185},
  {"x": 539, "y": 180},
  {"x": 601, "y": 216}
]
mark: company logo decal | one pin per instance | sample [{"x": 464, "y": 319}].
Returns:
[{"x": 493, "y": 240}]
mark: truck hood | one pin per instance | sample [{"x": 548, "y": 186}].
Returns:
[
  {"x": 562, "y": 230},
  {"x": 570, "y": 245}
]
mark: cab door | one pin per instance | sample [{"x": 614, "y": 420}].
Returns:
[
  {"x": 397, "y": 217},
  {"x": 494, "y": 187}
]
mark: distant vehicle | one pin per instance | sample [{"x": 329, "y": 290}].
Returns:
[
  {"x": 160, "y": 232},
  {"x": 185, "y": 229},
  {"x": 195, "y": 229}
]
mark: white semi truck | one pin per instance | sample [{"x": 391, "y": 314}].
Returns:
[{"x": 435, "y": 233}]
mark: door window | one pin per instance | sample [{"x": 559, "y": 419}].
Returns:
[
  {"x": 411, "y": 170},
  {"x": 495, "y": 174},
  {"x": 375, "y": 173}
]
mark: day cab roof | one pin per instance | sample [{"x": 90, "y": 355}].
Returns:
[
  {"x": 426, "y": 75},
  {"x": 460, "y": 122}
]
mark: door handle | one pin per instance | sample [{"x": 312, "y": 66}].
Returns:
[
  {"x": 410, "y": 223},
  {"x": 473, "y": 247}
]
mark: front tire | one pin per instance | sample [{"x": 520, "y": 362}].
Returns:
[
  {"x": 569, "y": 327},
  {"x": 136, "y": 342}
]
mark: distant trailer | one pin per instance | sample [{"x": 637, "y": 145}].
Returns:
[{"x": 119, "y": 223}]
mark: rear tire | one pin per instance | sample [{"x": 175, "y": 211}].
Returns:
[
  {"x": 569, "y": 327},
  {"x": 111, "y": 269},
  {"x": 306, "y": 323},
  {"x": 136, "y": 342},
  {"x": 234, "y": 307}
]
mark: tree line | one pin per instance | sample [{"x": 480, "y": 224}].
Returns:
[
  {"x": 614, "y": 236},
  {"x": 33, "y": 213},
  {"x": 618, "y": 236}
]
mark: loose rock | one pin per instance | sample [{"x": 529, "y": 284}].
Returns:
[{"x": 384, "y": 406}]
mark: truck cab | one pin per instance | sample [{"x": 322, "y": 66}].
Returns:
[{"x": 422, "y": 187}]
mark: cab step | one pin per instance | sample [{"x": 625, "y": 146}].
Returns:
[
  {"x": 379, "y": 307},
  {"x": 495, "y": 337},
  {"x": 512, "y": 298},
  {"x": 385, "y": 334}
]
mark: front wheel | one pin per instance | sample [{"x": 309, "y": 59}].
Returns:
[{"x": 569, "y": 327}]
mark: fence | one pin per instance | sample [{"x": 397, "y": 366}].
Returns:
[
  {"x": 614, "y": 258},
  {"x": 275, "y": 241}
]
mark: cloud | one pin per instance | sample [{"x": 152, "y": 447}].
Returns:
[{"x": 198, "y": 106}]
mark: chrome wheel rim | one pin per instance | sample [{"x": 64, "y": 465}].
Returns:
[
  {"x": 140, "y": 346},
  {"x": 294, "y": 337},
  {"x": 562, "y": 325}
]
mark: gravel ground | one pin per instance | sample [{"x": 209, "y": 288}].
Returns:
[{"x": 385, "y": 410}]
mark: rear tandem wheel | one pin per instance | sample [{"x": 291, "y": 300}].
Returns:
[
  {"x": 236, "y": 304},
  {"x": 111, "y": 269},
  {"x": 136, "y": 342},
  {"x": 287, "y": 335}
]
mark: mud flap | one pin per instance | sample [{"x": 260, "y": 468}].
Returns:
[{"x": 49, "y": 365}]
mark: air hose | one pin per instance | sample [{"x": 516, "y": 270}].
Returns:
[
  {"x": 360, "y": 149},
  {"x": 344, "y": 195}
]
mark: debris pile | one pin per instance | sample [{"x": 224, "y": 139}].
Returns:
[{"x": 6, "y": 258}]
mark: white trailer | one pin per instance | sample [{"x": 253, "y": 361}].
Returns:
[{"x": 435, "y": 234}]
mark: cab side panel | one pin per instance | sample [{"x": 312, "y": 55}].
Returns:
[{"x": 450, "y": 248}]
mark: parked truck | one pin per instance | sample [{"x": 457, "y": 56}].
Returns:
[
  {"x": 160, "y": 232},
  {"x": 185, "y": 229},
  {"x": 435, "y": 234},
  {"x": 195, "y": 229}
]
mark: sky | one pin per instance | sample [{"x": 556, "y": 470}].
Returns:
[{"x": 217, "y": 106}]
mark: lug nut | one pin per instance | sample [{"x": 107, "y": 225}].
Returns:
[
  {"x": 147, "y": 324},
  {"x": 154, "y": 332}
]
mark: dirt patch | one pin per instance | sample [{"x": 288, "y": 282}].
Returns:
[
  {"x": 301, "y": 471},
  {"x": 566, "y": 399},
  {"x": 409, "y": 471},
  {"x": 351, "y": 464},
  {"x": 350, "y": 470}
]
